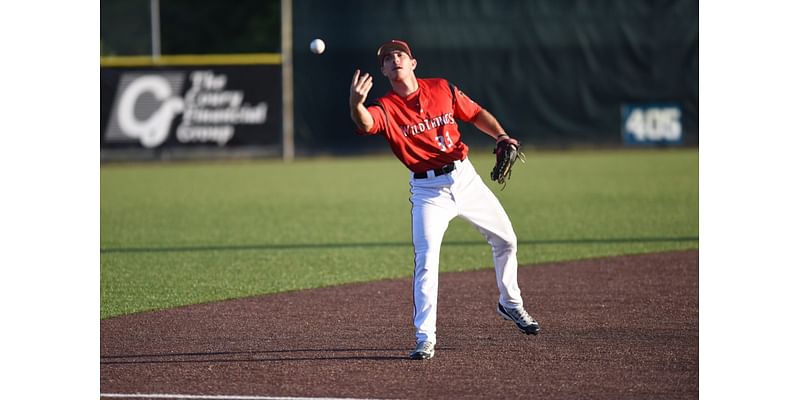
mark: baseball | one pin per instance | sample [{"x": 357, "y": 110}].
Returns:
[{"x": 317, "y": 46}]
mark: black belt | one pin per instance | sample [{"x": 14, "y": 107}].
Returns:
[{"x": 436, "y": 172}]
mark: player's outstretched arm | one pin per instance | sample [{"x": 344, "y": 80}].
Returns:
[
  {"x": 489, "y": 125},
  {"x": 359, "y": 89}
]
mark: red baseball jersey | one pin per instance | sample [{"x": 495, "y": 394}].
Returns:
[{"x": 421, "y": 128}]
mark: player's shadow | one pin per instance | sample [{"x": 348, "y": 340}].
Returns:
[
  {"x": 311, "y": 246},
  {"x": 258, "y": 356}
]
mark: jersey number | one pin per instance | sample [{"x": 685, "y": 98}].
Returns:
[{"x": 444, "y": 141}]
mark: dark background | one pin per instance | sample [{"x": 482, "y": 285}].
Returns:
[{"x": 554, "y": 72}]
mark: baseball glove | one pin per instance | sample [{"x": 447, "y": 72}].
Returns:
[{"x": 507, "y": 152}]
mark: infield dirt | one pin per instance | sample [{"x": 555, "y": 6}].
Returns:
[{"x": 612, "y": 328}]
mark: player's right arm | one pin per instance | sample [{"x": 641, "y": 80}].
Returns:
[{"x": 359, "y": 89}]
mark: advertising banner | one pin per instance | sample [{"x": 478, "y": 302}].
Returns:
[{"x": 197, "y": 106}]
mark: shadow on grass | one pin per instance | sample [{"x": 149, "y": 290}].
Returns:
[{"x": 308, "y": 246}]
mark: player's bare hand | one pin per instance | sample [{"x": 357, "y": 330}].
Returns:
[{"x": 359, "y": 88}]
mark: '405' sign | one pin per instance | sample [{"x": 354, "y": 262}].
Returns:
[{"x": 652, "y": 124}]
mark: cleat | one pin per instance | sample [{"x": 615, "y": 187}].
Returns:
[
  {"x": 424, "y": 351},
  {"x": 524, "y": 321}
]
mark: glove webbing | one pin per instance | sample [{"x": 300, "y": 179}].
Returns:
[{"x": 502, "y": 171}]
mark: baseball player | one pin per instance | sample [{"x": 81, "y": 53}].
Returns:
[{"x": 418, "y": 119}]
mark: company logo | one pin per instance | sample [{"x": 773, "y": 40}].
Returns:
[{"x": 147, "y": 104}]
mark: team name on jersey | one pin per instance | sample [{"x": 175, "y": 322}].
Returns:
[{"x": 428, "y": 124}]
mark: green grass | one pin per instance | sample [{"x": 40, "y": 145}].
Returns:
[{"x": 177, "y": 234}]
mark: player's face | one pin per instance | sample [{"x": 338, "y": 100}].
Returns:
[{"x": 397, "y": 65}]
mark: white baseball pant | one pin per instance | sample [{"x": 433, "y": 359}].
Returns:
[{"x": 434, "y": 202}]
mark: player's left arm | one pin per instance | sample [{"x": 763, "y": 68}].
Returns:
[
  {"x": 489, "y": 125},
  {"x": 468, "y": 110}
]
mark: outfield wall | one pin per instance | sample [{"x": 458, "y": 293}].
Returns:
[{"x": 555, "y": 73}]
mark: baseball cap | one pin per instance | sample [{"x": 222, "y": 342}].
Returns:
[{"x": 392, "y": 45}]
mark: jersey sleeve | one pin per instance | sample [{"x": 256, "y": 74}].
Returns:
[
  {"x": 464, "y": 108},
  {"x": 378, "y": 119}
]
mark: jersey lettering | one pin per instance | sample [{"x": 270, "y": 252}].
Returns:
[{"x": 427, "y": 124}]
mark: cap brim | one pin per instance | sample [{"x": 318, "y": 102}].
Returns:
[{"x": 390, "y": 47}]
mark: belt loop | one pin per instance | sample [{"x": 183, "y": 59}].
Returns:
[{"x": 431, "y": 173}]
